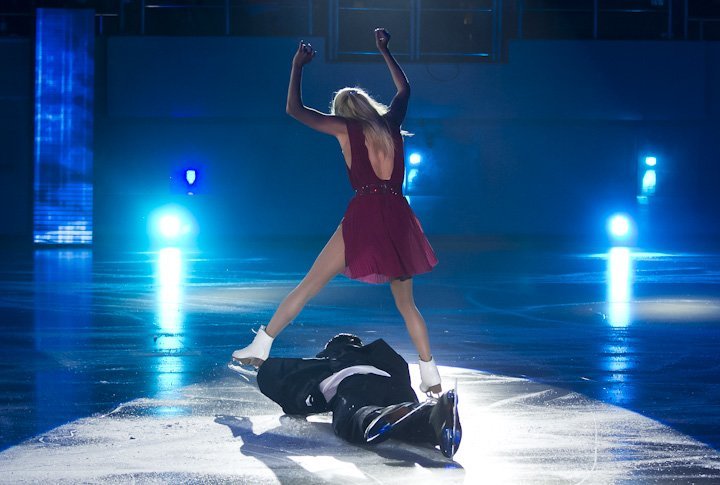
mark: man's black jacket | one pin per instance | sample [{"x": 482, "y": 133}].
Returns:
[{"x": 293, "y": 383}]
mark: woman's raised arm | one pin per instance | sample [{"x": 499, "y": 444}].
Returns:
[
  {"x": 399, "y": 104},
  {"x": 332, "y": 125}
]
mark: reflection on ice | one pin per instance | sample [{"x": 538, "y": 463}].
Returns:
[
  {"x": 169, "y": 373},
  {"x": 62, "y": 318},
  {"x": 619, "y": 286},
  {"x": 616, "y": 362},
  {"x": 169, "y": 282}
]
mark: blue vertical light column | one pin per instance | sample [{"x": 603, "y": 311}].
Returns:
[
  {"x": 64, "y": 92},
  {"x": 647, "y": 174}
]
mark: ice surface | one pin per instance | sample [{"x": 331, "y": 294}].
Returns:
[{"x": 515, "y": 431}]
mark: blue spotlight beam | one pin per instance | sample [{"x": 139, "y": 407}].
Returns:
[{"x": 64, "y": 95}]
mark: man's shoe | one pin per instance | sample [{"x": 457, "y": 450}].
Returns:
[{"x": 445, "y": 421}]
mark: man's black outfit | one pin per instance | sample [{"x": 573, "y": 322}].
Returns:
[{"x": 375, "y": 395}]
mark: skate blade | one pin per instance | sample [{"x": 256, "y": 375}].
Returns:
[
  {"x": 248, "y": 361},
  {"x": 452, "y": 436},
  {"x": 244, "y": 369}
]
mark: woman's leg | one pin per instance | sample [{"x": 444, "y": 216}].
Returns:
[
  {"x": 329, "y": 263},
  {"x": 429, "y": 375},
  {"x": 403, "y": 293}
]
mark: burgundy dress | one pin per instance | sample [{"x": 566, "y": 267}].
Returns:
[{"x": 383, "y": 238}]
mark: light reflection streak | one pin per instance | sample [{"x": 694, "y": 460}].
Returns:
[
  {"x": 616, "y": 362},
  {"x": 619, "y": 289},
  {"x": 169, "y": 281}
]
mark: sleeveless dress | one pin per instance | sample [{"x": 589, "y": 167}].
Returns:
[{"x": 383, "y": 237}]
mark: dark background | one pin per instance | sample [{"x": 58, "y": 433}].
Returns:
[{"x": 545, "y": 142}]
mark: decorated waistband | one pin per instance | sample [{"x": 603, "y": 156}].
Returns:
[{"x": 379, "y": 188}]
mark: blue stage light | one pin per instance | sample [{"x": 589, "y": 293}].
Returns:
[
  {"x": 415, "y": 158},
  {"x": 412, "y": 175},
  {"x": 649, "y": 181},
  {"x": 190, "y": 176},
  {"x": 64, "y": 97},
  {"x": 650, "y": 161},
  {"x": 172, "y": 224},
  {"x": 619, "y": 226}
]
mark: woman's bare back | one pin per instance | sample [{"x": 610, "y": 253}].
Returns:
[{"x": 381, "y": 164}]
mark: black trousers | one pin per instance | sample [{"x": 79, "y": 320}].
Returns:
[{"x": 361, "y": 397}]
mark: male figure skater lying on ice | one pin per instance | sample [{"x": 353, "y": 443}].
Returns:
[{"x": 367, "y": 388}]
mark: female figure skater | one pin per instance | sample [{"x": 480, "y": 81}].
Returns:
[{"x": 379, "y": 239}]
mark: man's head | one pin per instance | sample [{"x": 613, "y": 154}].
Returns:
[{"x": 339, "y": 344}]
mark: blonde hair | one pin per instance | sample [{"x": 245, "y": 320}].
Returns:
[{"x": 357, "y": 104}]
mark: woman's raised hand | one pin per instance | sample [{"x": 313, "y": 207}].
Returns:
[
  {"x": 382, "y": 37},
  {"x": 304, "y": 54}
]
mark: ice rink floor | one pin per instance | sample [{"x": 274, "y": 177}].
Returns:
[{"x": 573, "y": 366}]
